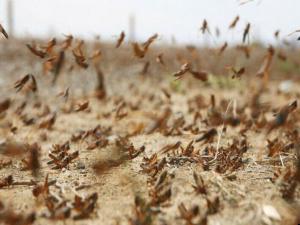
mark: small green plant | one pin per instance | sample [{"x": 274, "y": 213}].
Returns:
[
  {"x": 224, "y": 81},
  {"x": 175, "y": 85}
]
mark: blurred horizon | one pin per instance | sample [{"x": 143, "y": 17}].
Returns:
[{"x": 180, "y": 21}]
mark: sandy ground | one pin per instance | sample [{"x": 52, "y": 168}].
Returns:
[{"x": 250, "y": 194}]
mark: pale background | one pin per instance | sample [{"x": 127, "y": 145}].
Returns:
[{"x": 87, "y": 18}]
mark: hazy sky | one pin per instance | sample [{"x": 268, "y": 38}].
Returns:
[{"x": 181, "y": 18}]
